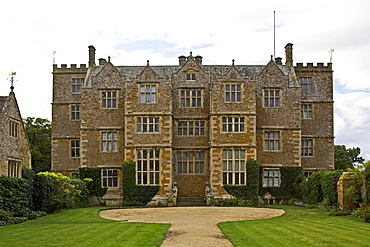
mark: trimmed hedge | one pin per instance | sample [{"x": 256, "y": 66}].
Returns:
[
  {"x": 250, "y": 190},
  {"x": 135, "y": 195},
  {"x": 14, "y": 194}
]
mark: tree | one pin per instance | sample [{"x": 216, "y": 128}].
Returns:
[
  {"x": 346, "y": 158},
  {"x": 38, "y": 131}
]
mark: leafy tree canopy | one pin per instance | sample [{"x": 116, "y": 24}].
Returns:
[
  {"x": 38, "y": 131},
  {"x": 346, "y": 158}
]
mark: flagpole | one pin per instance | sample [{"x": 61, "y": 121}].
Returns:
[{"x": 274, "y": 35}]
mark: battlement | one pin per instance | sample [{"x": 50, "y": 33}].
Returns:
[
  {"x": 72, "y": 69},
  {"x": 311, "y": 68}
]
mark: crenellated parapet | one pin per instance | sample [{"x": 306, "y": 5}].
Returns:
[
  {"x": 311, "y": 68},
  {"x": 73, "y": 69}
]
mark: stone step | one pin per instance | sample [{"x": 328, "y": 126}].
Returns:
[{"x": 190, "y": 201}]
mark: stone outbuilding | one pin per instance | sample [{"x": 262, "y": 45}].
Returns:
[{"x": 15, "y": 150}]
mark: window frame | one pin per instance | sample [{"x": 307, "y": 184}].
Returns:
[
  {"x": 148, "y": 97},
  {"x": 271, "y": 179},
  {"x": 14, "y": 129},
  {"x": 190, "y": 162},
  {"x": 109, "y": 180},
  {"x": 75, "y": 148},
  {"x": 109, "y": 140},
  {"x": 191, "y": 128},
  {"x": 307, "y": 111},
  {"x": 191, "y": 98},
  {"x": 306, "y": 84},
  {"x": 148, "y": 167},
  {"x": 230, "y": 125},
  {"x": 147, "y": 125},
  {"x": 76, "y": 84},
  {"x": 190, "y": 76},
  {"x": 109, "y": 99},
  {"x": 307, "y": 147},
  {"x": 75, "y": 114},
  {"x": 269, "y": 100},
  {"x": 14, "y": 168},
  {"x": 237, "y": 93},
  {"x": 271, "y": 143},
  {"x": 234, "y": 171}
]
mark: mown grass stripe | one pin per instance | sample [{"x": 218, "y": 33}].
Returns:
[
  {"x": 81, "y": 227},
  {"x": 299, "y": 227}
]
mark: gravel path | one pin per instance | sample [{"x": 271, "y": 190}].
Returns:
[{"x": 192, "y": 226}]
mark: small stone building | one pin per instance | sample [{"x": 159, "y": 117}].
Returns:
[
  {"x": 15, "y": 151},
  {"x": 192, "y": 123}
]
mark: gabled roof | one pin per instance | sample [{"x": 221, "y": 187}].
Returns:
[{"x": 2, "y": 102}]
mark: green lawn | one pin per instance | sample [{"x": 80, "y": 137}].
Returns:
[
  {"x": 299, "y": 227},
  {"x": 81, "y": 227}
]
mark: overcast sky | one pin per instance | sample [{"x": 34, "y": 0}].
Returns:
[{"x": 131, "y": 32}]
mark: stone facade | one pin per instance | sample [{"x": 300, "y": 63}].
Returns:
[
  {"x": 192, "y": 123},
  {"x": 15, "y": 151}
]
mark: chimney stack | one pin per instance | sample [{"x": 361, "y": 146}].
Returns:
[
  {"x": 199, "y": 59},
  {"x": 102, "y": 61},
  {"x": 289, "y": 54},
  {"x": 91, "y": 56},
  {"x": 182, "y": 60},
  {"x": 278, "y": 60}
]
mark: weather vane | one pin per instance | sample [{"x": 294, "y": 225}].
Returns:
[
  {"x": 12, "y": 80},
  {"x": 331, "y": 54}
]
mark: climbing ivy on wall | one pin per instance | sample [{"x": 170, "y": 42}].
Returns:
[
  {"x": 250, "y": 190},
  {"x": 290, "y": 176},
  {"x": 135, "y": 195},
  {"x": 94, "y": 187},
  {"x": 321, "y": 186}
]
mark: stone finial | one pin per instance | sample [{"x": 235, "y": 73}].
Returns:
[
  {"x": 233, "y": 61},
  {"x": 108, "y": 58},
  {"x": 147, "y": 62}
]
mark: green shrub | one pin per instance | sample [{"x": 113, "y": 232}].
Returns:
[
  {"x": 365, "y": 214},
  {"x": 321, "y": 186},
  {"x": 14, "y": 194},
  {"x": 4, "y": 215},
  {"x": 43, "y": 193},
  {"x": 232, "y": 202},
  {"x": 18, "y": 220},
  {"x": 339, "y": 212}
]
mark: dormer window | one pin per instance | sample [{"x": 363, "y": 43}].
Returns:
[{"x": 190, "y": 77}]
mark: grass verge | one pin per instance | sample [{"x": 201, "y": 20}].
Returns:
[
  {"x": 81, "y": 227},
  {"x": 299, "y": 226}
]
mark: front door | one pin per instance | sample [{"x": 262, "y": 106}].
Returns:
[{"x": 191, "y": 173}]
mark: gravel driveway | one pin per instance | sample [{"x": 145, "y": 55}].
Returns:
[{"x": 192, "y": 226}]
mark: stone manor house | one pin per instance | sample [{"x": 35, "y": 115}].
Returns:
[{"x": 192, "y": 123}]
